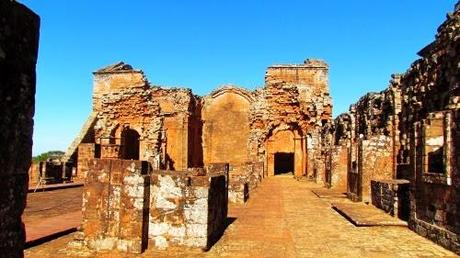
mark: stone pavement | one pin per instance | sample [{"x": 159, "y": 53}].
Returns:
[
  {"x": 42, "y": 230},
  {"x": 52, "y": 213},
  {"x": 364, "y": 215},
  {"x": 284, "y": 218}
]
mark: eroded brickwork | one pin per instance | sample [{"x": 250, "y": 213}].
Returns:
[
  {"x": 114, "y": 199},
  {"x": 125, "y": 203},
  {"x": 19, "y": 30},
  {"x": 429, "y": 124},
  {"x": 392, "y": 196},
  {"x": 184, "y": 138},
  {"x": 176, "y": 130}
]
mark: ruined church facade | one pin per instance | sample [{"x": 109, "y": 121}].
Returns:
[{"x": 278, "y": 125}]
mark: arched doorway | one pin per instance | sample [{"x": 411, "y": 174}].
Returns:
[
  {"x": 130, "y": 144},
  {"x": 285, "y": 154}
]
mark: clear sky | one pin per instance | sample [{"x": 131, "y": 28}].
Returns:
[{"x": 203, "y": 44}]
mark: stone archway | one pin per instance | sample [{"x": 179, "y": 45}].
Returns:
[
  {"x": 130, "y": 144},
  {"x": 285, "y": 150}
]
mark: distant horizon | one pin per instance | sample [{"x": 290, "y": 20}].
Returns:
[{"x": 203, "y": 46}]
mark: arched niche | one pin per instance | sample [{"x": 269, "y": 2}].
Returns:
[
  {"x": 130, "y": 144},
  {"x": 225, "y": 115}
]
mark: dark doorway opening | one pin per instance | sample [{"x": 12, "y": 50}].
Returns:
[
  {"x": 284, "y": 163},
  {"x": 130, "y": 143}
]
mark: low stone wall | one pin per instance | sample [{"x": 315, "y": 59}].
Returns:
[
  {"x": 439, "y": 235},
  {"x": 188, "y": 208},
  {"x": 392, "y": 196},
  {"x": 115, "y": 198},
  {"x": 336, "y": 169},
  {"x": 243, "y": 179}
]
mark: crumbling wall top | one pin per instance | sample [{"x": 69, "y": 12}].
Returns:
[
  {"x": 230, "y": 88},
  {"x": 119, "y": 67},
  {"x": 308, "y": 63}
]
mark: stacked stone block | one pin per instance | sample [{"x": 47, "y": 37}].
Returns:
[
  {"x": 243, "y": 179},
  {"x": 114, "y": 202},
  {"x": 188, "y": 208}
]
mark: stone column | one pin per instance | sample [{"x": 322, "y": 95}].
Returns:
[{"x": 19, "y": 30}]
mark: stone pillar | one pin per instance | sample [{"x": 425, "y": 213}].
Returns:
[{"x": 19, "y": 30}]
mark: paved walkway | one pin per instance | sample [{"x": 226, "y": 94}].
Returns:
[
  {"x": 52, "y": 213},
  {"x": 285, "y": 219}
]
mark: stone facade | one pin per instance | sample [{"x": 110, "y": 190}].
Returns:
[
  {"x": 19, "y": 30},
  {"x": 243, "y": 179},
  {"x": 174, "y": 129},
  {"x": 186, "y": 140},
  {"x": 429, "y": 126}
]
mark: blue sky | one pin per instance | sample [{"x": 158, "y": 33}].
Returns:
[{"x": 203, "y": 44}]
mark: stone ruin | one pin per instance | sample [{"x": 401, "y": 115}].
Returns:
[
  {"x": 397, "y": 148},
  {"x": 197, "y": 153},
  {"x": 162, "y": 163},
  {"x": 394, "y": 149},
  {"x": 125, "y": 204}
]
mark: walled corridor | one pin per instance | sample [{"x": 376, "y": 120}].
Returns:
[{"x": 284, "y": 218}]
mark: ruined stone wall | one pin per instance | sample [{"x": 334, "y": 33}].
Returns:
[
  {"x": 19, "y": 28},
  {"x": 296, "y": 99},
  {"x": 178, "y": 130},
  {"x": 429, "y": 136},
  {"x": 86, "y": 151},
  {"x": 409, "y": 131},
  {"x": 243, "y": 179},
  {"x": 34, "y": 174},
  {"x": 337, "y": 168},
  {"x": 369, "y": 133},
  {"x": 115, "y": 198},
  {"x": 123, "y": 100},
  {"x": 375, "y": 158},
  {"x": 188, "y": 208},
  {"x": 177, "y": 108}
]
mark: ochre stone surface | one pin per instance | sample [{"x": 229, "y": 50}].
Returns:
[
  {"x": 283, "y": 219},
  {"x": 226, "y": 127},
  {"x": 177, "y": 130},
  {"x": 407, "y": 131}
]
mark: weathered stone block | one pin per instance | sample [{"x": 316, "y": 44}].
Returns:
[
  {"x": 187, "y": 209},
  {"x": 113, "y": 206}
]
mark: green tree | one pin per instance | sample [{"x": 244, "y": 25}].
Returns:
[{"x": 49, "y": 154}]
